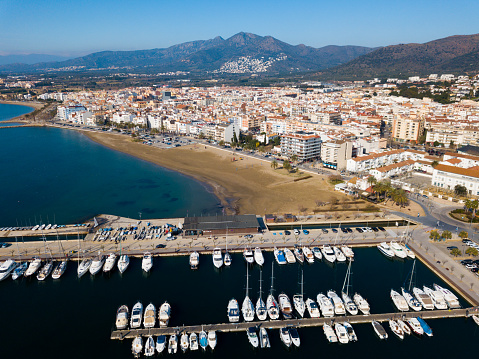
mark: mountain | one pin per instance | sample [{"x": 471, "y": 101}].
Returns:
[
  {"x": 243, "y": 52},
  {"x": 29, "y": 59},
  {"x": 455, "y": 54}
]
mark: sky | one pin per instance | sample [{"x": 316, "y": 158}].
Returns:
[{"x": 74, "y": 28}]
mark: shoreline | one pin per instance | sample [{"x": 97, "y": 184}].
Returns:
[{"x": 33, "y": 105}]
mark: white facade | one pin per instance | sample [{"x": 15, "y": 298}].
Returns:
[
  {"x": 124, "y": 117},
  {"x": 304, "y": 146},
  {"x": 448, "y": 177}
]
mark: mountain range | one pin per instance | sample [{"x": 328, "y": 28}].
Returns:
[{"x": 30, "y": 59}]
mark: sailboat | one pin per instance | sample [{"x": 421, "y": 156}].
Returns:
[
  {"x": 123, "y": 262},
  {"x": 271, "y": 303},
  {"x": 261, "y": 311},
  {"x": 410, "y": 299},
  {"x": 248, "y": 308},
  {"x": 298, "y": 299},
  {"x": 351, "y": 307}
]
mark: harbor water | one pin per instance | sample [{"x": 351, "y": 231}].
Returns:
[{"x": 8, "y": 112}]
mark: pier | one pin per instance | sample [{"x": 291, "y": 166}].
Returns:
[{"x": 298, "y": 323}]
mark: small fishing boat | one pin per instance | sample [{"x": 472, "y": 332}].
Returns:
[
  {"x": 308, "y": 254},
  {"x": 252, "y": 336},
  {"x": 203, "y": 340},
  {"x": 184, "y": 342},
  {"x": 427, "y": 329},
  {"x": 193, "y": 341},
  {"x": 290, "y": 258},
  {"x": 279, "y": 256},
  {"x": 212, "y": 339},
  {"x": 173, "y": 344},
  {"x": 405, "y": 328},
  {"x": 248, "y": 255},
  {"x": 194, "y": 260},
  {"x": 298, "y": 253},
  {"x": 348, "y": 252},
  {"x": 396, "y": 329},
  {"x": 378, "y": 328}
]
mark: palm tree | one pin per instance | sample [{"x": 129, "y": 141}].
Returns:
[
  {"x": 372, "y": 180},
  {"x": 400, "y": 197},
  {"x": 294, "y": 158},
  {"x": 287, "y": 165},
  {"x": 274, "y": 164},
  {"x": 472, "y": 205},
  {"x": 378, "y": 188}
]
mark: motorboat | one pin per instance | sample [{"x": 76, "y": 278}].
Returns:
[
  {"x": 330, "y": 333},
  {"x": 212, "y": 339},
  {"x": 285, "y": 336},
  {"x": 19, "y": 271},
  {"x": 136, "y": 315},
  {"x": 397, "y": 250},
  {"x": 351, "y": 333},
  {"x": 149, "y": 347},
  {"x": 313, "y": 309},
  {"x": 123, "y": 263},
  {"x": 193, "y": 341},
  {"x": 340, "y": 257},
  {"x": 121, "y": 321},
  {"x": 411, "y": 300},
  {"x": 396, "y": 329},
  {"x": 248, "y": 255},
  {"x": 84, "y": 267},
  {"x": 437, "y": 298},
  {"x": 164, "y": 314},
  {"x": 298, "y": 253},
  {"x": 233, "y": 311},
  {"x": 264, "y": 338},
  {"x": 147, "y": 262},
  {"x": 184, "y": 342},
  {"x": 325, "y": 304},
  {"x": 341, "y": 333},
  {"x": 385, "y": 249},
  {"x": 351, "y": 307},
  {"x": 308, "y": 254},
  {"x": 299, "y": 304},
  {"x": 149, "y": 318},
  {"x": 59, "y": 269},
  {"x": 399, "y": 301},
  {"x": 33, "y": 267},
  {"x": 293, "y": 333},
  {"x": 425, "y": 327},
  {"x": 6, "y": 268},
  {"x": 217, "y": 257},
  {"x": 203, "y": 340},
  {"x": 45, "y": 271},
  {"x": 317, "y": 253},
  {"x": 258, "y": 256},
  {"x": 362, "y": 303},
  {"x": 408, "y": 251},
  {"x": 279, "y": 256},
  {"x": 475, "y": 318},
  {"x": 348, "y": 252},
  {"x": 109, "y": 263},
  {"x": 173, "y": 344},
  {"x": 290, "y": 258},
  {"x": 405, "y": 328},
  {"x": 415, "y": 326},
  {"x": 378, "y": 328},
  {"x": 451, "y": 299},
  {"x": 339, "y": 308},
  {"x": 97, "y": 265},
  {"x": 137, "y": 346},
  {"x": 252, "y": 336},
  {"x": 194, "y": 260},
  {"x": 423, "y": 298},
  {"x": 247, "y": 308},
  {"x": 227, "y": 259},
  {"x": 328, "y": 254},
  {"x": 160, "y": 343},
  {"x": 285, "y": 306}
]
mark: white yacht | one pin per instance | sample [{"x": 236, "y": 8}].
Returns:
[
  {"x": 399, "y": 301},
  {"x": 411, "y": 300},
  {"x": 271, "y": 303},
  {"x": 298, "y": 253},
  {"x": 160, "y": 343},
  {"x": 264, "y": 338},
  {"x": 351, "y": 333},
  {"x": 415, "y": 326},
  {"x": 45, "y": 271},
  {"x": 59, "y": 269},
  {"x": 149, "y": 347},
  {"x": 348, "y": 252},
  {"x": 437, "y": 298},
  {"x": 248, "y": 255},
  {"x": 279, "y": 256},
  {"x": 340, "y": 257},
  {"x": 313, "y": 309},
  {"x": 217, "y": 257},
  {"x": 329, "y": 333},
  {"x": 184, "y": 342},
  {"x": 293, "y": 333},
  {"x": 19, "y": 271},
  {"x": 339, "y": 308},
  {"x": 308, "y": 254},
  {"x": 396, "y": 329},
  {"x": 84, "y": 267},
  {"x": 121, "y": 321},
  {"x": 233, "y": 311},
  {"x": 351, "y": 307},
  {"x": 97, "y": 265},
  {"x": 247, "y": 308},
  {"x": 212, "y": 339},
  {"x": 6, "y": 268},
  {"x": 317, "y": 253},
  {"x": 136, "y": 315},
  {"x": 299, "y": 304},
  {"x": 405, "y": 328},
  {"x": 385, "y": 249},
  {"x": 252, "y": 336},
  {"x": 258, "y": 256},
  {"x": 362, "y": 303},
  {"x": 285, "y": 337},
  {"x": 451, "y": 299},
  {"x": 341, "y": 333},
  {"x": 173, "y": 344},
  {"x": 194, "y": 260},
  {"x": 423, "y": 298},
  {"x": 328, "y": 254},
  {"x": 290, "y": 258},
  {"x": 378, "y": 328},
  {"x": 397, "y": 249},
  {"x": 147, "y": 262},
  {"x": 227, "y": 259},
  {"x": 325, "y": 304},
  {"x": 285, "y": 306},
  {"x": 261, "y": 311},
  {"x": 164, "y": 314},
  {"x": 33, "y": 267},
  {"x": 193, "y": 341},
  {"x": 123, "y": 263},
  {"x": 109, "y": 263},
  {"x": 137, "y": 346},
  {"x": 149, "y": 318},
  {"x": 408, "y": 251}
]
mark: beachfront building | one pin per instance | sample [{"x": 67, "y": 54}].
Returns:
[
  {"x": 375, "y": 160},
  {"x": 407, "y": 129},
  {"x": 306, "y": 146},
  {"x": 335, "y": 154},
  {"x": 123, "y": 117},
  {"x": 65, "y": 112},
  {"x": 225, "y": 132},
  {"x": 448, "y": 177}
]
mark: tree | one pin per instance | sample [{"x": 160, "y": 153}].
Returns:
[
  {"x": 460, "y": 190},
  {"x": 472, "y": 205},
  {"x": 451, "y": 144},
  {"x": 463, "y": 234},
  {"x": 434, "y": 164},
  {"x": 436, "y": 143},
  {"x": 446, "y": 235},
  {"x": 294, "y": 158},
  {"x": 372, "y": 180},
  {"x": 455, "y": 252},
  {"x": 472, "y": 251},
  {"x": 400, "y": 197},
  {"x": 287, "y": 165},
  {"x": 434, "y": 235},
  {"x": 201, "y": 136},
  {"x": 274, "y": 164},
  {"x": 235, "y": 138}
]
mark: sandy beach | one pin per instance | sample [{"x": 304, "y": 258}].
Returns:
[{"x": 33, "y": 105}]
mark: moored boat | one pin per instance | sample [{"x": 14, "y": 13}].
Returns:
[
  {"x": 351, "y": 333},
  {"x": 328, "y": 254},
  {"x": 341, "y": 333},
  {"x": 298, "y": 253},
  {"x": 149, "y": 318},
  {"x": 248, "y": 255},
  {"x": 399, "y": 301},
  {"x": 362, "y": 303},
  {"x": 423, "y": 298},
  {"x": 149, "y": 347},
  {"x": 279, "y": 256},
  {"x": 339, "y": 308},
  {"x": 193, "y": 341},
  {"x": 437, "y": 298},
  {"x": 59, "y": 269},
  {"x": 97, "y": 265},
  {"x": 233, "y": 311},
  {"x": 258, "y": 256},
  {"x": 147, "y": 262},
  {"x": 264, "y": 338},
  {"x": 415, "y": 326},
  {"x": 109, "y": 263},
  {"x": 313, "y": 309},
  {"x": 411, "y": 300},
  {"x": 317, "y": 253},
  {"x": 121, "y": 321},
  {"x": 19, "y": 271},
  {"x": 378, "y": 328},
  {"x": 83, "y": 267},
  {"x": 160, "y": 343},
  {"x": 396, "y": 329},
  {"x": 184, "y": 342},
  {"x": 217, "y": 257},
  {"x": 385, "y": 249},
  {"x": 348, "y": 252},
  {"x": 194, "y": 260},
  {"x": 123, "y": 263},
  {"x": 252, "y": 336},
  {"x": 290, "y": 258},
  {"x": 330, "y": 333},
  {"x": 285, "y": 337},
  {"x": 425, "y": 327},
  {"x": 33, "y": 267},
  {"x": 137, "y": 346},
  {"x": 164, "y": 314},
  {"x": 136, "y": 315},
  {"x": 212, "y": 339},
  {"x": 451, "y": 298},
  {"x": 308, "y": 254},
  {"x": 293, "y": 333},
  {"x": 285, "y": 306},
  {"x": 326, "y": 305},
  {"x": 6, "y": 268},
  {"x": 405, "y": 328},
  {"x": 340, "y": 257},
  {"x": 45, "y": 271},
  {"x": 173, "y": 344},
  {"x": 203, "y": 340},
  {"x": 397, "y": 249}
]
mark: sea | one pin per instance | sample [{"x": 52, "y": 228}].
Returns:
[{"x": 56, "y": 175}]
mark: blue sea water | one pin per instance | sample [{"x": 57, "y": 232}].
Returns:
[{"x": 10, "y": 111}]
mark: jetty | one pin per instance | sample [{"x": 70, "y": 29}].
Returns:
[{"x": 297, "y": 323}]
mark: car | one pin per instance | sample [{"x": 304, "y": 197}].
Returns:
[
  {"x": 296, "y": 231},
  {"x": 349, "y": 230},
  {"x": 465, "y": 240},
  {"x": 305, "y": 231},
  {"x": 382, "y": 229},
  {"x": 375, "y": 229},
  {"x": 475, "y": 270},
  {"x": 424, "y": 196},
  {"x": 344, "y": 230},
  {"x": 324, "y": 230},
  {"x": 359, "y": 230},
  {"x": 334, "y": 230},
  {"x": 466, "y": 261},
  {"x": 471, "y": 266},
  {"x": 287, "y": 233},
  {"x": 4, "y": 245},
  {"x": 161, "y": 245},
  {"x": 450, "y": 248},
  {"x": 476, "y": 262}
]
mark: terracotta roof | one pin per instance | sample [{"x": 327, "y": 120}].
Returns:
[
  {"x": 460, "y": 155},
  {"x": 453, "y": 161},
  {"x": 470, "y": 172},
  {"x": 395, "y": 165},
  {"x": 377, "y": 155}
]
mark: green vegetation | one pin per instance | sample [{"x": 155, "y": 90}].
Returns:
[
  {"x": 434, "y": 235},
  {"x": 446, "y": 235},
  {"x": 463, "y": 234},
  {"x": 274, "y": 164},
  {"x": 335, "y": 179},
  {"x": 287, "y": 165},
  {"x": 472, "y": 251},
  {"x": 456, "y": 252},
  {"x": 460, "y": 190}
]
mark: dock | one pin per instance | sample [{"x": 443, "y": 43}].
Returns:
[{"x": 297, "y": 323}]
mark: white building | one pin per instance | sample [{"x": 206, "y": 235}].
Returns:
[
  {"x": 305, "y": 146},
  {"x": 448, "y": 177},
  {"x": 64, "y": 112},
  {"x": 124, "y": 117},
  {"x": 334, "y": 154}
]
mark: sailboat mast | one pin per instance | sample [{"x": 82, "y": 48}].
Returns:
[
  {"x": 247, "y": 280},
  {"x": 272, "y": 271},
  {"x": 412, "y": 273},
  {"x": 260, "y": 281},
  {"x": 302, "y": 282}
]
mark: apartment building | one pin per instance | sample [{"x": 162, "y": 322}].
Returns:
[
  {"x": 407, "y": 129},
  {"x": 305, "y": 146},
  {"x": 335, "y": 154},
  {"x": 65, "y": 112},
  {"x": 448, "y": 177}
]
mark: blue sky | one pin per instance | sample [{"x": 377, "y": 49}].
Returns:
[{"x": 73, "y": 28}]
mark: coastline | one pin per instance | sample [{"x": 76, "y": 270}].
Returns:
[{"x": 33, "y": 105}]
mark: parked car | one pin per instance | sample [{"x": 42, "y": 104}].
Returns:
[
  {"x": 305, "y": 231},
  {"x": 287, "y": 233},
  {"x": 324, "y": 230},
  {"x": 359, "y": 230},
  {"x": 334, "y": 230},
  {"x": 450, "y": 248},
  {"x": 296, "y": 231}
]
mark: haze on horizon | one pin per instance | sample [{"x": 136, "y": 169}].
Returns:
[{"x": 81, "y": 27}]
